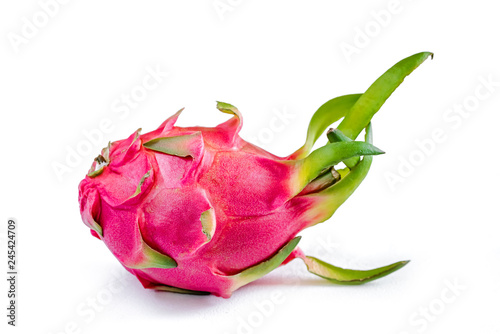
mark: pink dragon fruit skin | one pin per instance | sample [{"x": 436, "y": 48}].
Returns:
[{"x": 200, "y": 210}]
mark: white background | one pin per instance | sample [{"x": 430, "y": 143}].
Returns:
[{"x": 264, "y": 57}]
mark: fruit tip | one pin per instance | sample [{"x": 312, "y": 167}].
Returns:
[{"x": 377, "y": 151}]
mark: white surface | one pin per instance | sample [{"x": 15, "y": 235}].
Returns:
[{"x": 261, "y": 56}]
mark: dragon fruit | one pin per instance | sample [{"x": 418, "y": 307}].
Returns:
[{"x": 200, "y": 210}]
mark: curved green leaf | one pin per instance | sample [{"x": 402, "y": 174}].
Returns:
[
  {"x": 343, "y": 276},
  {"x": 370, "y": 102},
  {"x": 327, "y": 114},
  {"x": 251, "y": 274}
]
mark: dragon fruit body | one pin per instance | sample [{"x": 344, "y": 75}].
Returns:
[{"x": 200, "y": 210}]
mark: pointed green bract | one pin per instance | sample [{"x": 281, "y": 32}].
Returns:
[
  {"x": 329, "y": 155},
  {"x": 141, "y": 182},
  {"x": 152, "y": 259},
  {"x": 265, "y": 267},
  {"x": 327, "y": 114},
  {"x": 335, "y": 136},
  {"x": 178, "y": 290},
  {"x": 181, "y": 146},
  {"x": 370, "y": 102},
  {"x": 343, "y": 276},
  {"x": 208, "y": 223},
  {"x": 95, "y": 226},
  {"x": 228, "y": 108}
]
